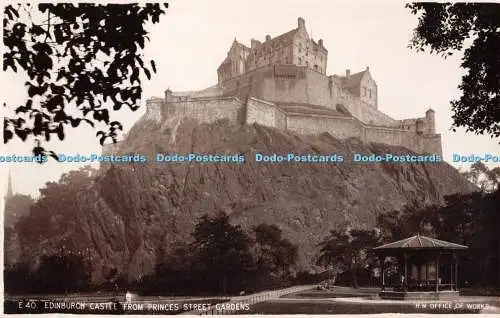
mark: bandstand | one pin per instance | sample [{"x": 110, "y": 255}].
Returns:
[{"x": 428, "y": 268}]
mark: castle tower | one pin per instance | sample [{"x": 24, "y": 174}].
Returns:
[{"x": 430, "y": 119}]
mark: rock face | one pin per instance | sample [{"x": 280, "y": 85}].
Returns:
[{"x": 133, "y": 209}]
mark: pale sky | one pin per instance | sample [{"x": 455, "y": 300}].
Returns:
[{"x": 194, "y": 36}]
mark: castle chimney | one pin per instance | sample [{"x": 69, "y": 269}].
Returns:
[
  {"x": 320, "y": 42},
  {"x": 301, "y": 23},
  {"x": 348, "y": 73},
  {"x": 367, "y": 68},
  {"x": 268, "y": 38}
]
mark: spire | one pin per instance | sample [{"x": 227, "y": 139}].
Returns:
[{"x": 9, "y": 188}]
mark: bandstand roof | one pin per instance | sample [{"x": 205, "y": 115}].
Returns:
[{"x": 419, "y": 242}]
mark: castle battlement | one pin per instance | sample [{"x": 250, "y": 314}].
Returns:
[{"x": 282, "y": 83}]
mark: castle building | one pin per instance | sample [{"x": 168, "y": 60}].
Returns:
[
  {"x": 293, "y": 47},
  {"x": 281, "y": 82}
]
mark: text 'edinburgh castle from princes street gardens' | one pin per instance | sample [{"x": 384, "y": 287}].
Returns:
[{"x": 282, "y": 83}]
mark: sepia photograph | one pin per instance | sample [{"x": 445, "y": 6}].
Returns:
[{"x": 251, "y": 157}]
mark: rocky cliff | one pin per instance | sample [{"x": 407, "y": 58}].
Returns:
[{"x": 133, "y": 209}]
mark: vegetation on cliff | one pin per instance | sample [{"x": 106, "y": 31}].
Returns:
[
  {"x": 445, "y": 29},
  {"x": 468, "y": 219},
  {"x": 127, "y": 212}
]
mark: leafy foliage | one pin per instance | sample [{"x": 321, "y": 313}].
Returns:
[
  {"x": 16, "y": 207},
  {"x": 469, "y": 219},
  {"x": 55, "y": 209},
  {"x": 485, "y": 178},
  {"x": 275, "y": 255},
  {"x": 222, "y": 249},
  {"x": 57, "y": 273},
  {"x": 83, "y": 59},
  {"x": 348, "y": 250},
  {"x": 445, "y": 29},
  {"x": 63, "y": 272},
  {"x": 223, "y": 259}
]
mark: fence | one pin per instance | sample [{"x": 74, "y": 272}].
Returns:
[{"x": 226, "y": 308}]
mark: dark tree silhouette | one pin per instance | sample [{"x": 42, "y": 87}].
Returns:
[
  {"x": 445, "y": 29},
  {"x": 470, "y": 219},
  {"x": 82, "y": 60},
  {"x": 275, "y": 255},
  {"x": 16, "y": 207},
  {"x": 62, "y": 272},
  {"x": 348, "y": 250},
  {"x": 55, "y": 212},
  {"x": 222, "y": 252}
]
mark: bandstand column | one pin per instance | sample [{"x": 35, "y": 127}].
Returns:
[
  {"x": 456, "y": 270},
  {"x": 426, "y": 272},
  {"x": 451, "y": 272},
  {"x": 405, "y": 283},
  {"x": 382, "y": 265},
  {"x": 419, "y": 272}
]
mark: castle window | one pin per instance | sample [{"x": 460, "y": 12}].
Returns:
[
  {"x": 307, "y": 63},
  {"x": 300, "y": 61},
  {"x": 370, "y": 93},
  {"x": 286, "y": 60},
  {"x": 315, "y": 67}
]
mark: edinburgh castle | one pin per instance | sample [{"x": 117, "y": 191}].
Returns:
[{"x": 282, "y": 83}]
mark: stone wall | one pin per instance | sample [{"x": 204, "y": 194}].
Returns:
[
  {"x": 250, "y": 98},
  {"x": 432, "y": 143},
  {"x": 266, "y": 113},
  {"x": 295, "y": 84},
  {"x": 365, "y": 112},
  {"x": 346, "y": 127},
  {"x": 206, "y": 110},
  {"x": 261, "y": 112},
  {"x": 392, "y": 136},
  {"x": 339, "y": 127},
  {"x": 154, "y": 108}
]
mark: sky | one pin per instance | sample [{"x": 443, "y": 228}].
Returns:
[{"x": 194, "y": 36}]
